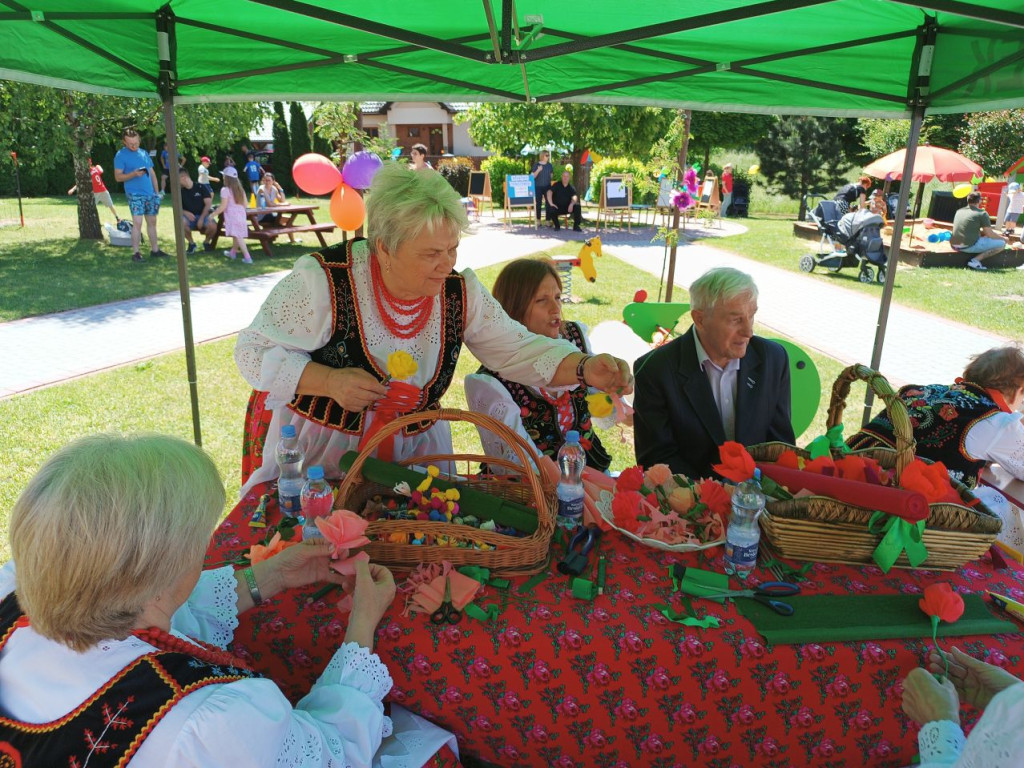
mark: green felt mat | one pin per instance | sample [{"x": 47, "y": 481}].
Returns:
[{"x": 835, "y": 618}]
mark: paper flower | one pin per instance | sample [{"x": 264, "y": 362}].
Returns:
[
  {"x": 345, "y": 530},
  {"x": 600, "y": 405},
  {"x": 931, "y": 480},
  {"x": 631, "y": 479},
  {"x": 681, "y": 500},
  {"x": 258, "y": 552},
  {"x": 403, "y": 489},
  {"x": 627, "y": 506},
  {"x": 401, "y": 365},
  {"x": 941, "y": 603},
  {"x": 658, "y": 474},
  {"x": 714, "y": 497},
  {"x": 737, "y": 464}
]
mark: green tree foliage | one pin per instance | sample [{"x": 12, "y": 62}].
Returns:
[
  {"x": 883, "y": 137},
  {"x": 709, "y": 131},
  {"x": 994, "y": 139},
  {"x": 645, "y": 187},
  {"x": 498, "y": 168},
  {"x": 340, "y": 123},
  {"x": 567, "y": 128},
  {"x": 282, "y": 149},
  {"x": 801, "y": 154},
  {"x": 456, "y": 172},
  {"x": 298, "y": 128},
  {"x": 53, "y": 129}
]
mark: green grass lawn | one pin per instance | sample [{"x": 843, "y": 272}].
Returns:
[
  {"x": 993, "y": 300},
  {"x": 153, "y": 396},
  {"x": 45, "y": 268}
]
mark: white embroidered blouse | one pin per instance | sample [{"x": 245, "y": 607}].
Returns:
[
  {"x": 296, "y": 319},
  {"x": 997, "y": 740}
]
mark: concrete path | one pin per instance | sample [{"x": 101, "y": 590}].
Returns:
[{"x": 831, "y": 319}]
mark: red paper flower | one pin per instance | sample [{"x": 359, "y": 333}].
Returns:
[
  {"x": 823, "y": 465},
  {"x": 630, "y": 479},
  {"x": 737, "y": 464},
  {"x": 942, "y": 602},
  {"x": 790, "y": 460},
  {"x": 258, "y": 552},
  {"x": 714, "y": 496},
  {"x": 626, "y": 508},
  {"x": 931, "y": 480},
  {"x": 852, "y": 468}
]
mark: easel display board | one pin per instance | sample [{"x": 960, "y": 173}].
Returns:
[
  {"x": 519, "y": 193},
  {"x": 708, "y": 195},
  {"x": 616, "y": 198},
  {"x": 480, "y": 190}
]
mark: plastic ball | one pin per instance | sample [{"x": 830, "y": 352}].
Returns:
[
  {"x": 640, "y": 296},
  {"x": 935, "y": 237}
]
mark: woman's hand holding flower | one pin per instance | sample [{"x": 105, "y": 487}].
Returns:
[
  {"x": 608, "y": 374},
  {"x": 373, "y": 592},
  {"x": 354, "y": 389},
  {"x": 925, "y": 699},
  {"x": 298, "y": 566}
]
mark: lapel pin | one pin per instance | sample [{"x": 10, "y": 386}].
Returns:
[{"x": 750, "y": 383}]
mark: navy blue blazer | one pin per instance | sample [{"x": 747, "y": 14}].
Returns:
[{"x": 677, "y": 421}]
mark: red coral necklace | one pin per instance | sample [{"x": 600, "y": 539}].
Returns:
[
  {"x": 165, "y": 641},
  {"x": 388, "y": 306}
]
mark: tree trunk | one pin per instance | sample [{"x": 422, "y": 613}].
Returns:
[
  {"x": 681, "y": 160},
  {"x": 81, "y": 147},
  {"x": 707, "y": 158},
  {"x": 577, "y": 172}
]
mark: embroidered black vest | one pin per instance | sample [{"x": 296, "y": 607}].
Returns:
[
  {"x": 940, "y": 415},
  {"x": 109, "y": 727},
  {"x": 540, "y": 418},
  {"x": 346, "y": 348}
]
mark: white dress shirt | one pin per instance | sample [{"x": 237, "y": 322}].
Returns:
[{"x": 723, "y": 385}]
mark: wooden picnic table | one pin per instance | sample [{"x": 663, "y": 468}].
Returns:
[{"x": 267, "y": 231}]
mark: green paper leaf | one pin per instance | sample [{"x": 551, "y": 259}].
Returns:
[
  {"x": 820, "y": 446},
  {"x": 475, "y": 572},
  {"x": 481, "y": 614},
  {"x": 685, "y": 620}
]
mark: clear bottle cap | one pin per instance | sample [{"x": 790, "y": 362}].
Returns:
[
  {"x": 316, "y": 472},
  {"x": 288, "y": 431}
]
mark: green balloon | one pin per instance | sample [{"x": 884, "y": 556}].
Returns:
[{"x": 696, "y": 167}]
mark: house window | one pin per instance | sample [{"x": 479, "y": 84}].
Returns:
[
  {"x": 373, "y": 133},
  {"x": 414, "y": 132}
]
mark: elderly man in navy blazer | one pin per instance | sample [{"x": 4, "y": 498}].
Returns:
[{"x": 716, "y": 382}]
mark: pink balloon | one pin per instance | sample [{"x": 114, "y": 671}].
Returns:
[{"x": 315, "y": 174}]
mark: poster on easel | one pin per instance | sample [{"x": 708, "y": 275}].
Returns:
[
  {"x": 709, "y": 197},
  {"x": 519, "y": 193},
  {"x": 480, "y": 190},
  {"x": 616, "y": 197}
]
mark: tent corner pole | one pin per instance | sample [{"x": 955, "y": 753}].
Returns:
[{"x": 167, "y": 85}]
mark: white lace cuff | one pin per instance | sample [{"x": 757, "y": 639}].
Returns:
[
  {"x": 940, "y": 741},
  {"x": 211, "y": 612}
]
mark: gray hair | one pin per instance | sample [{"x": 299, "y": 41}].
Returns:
[
  {"x": 107, "y": 524},
  {"x": 403, "y": 203},
  {"x": 720, "y": 284}
]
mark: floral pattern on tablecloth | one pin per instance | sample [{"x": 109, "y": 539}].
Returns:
[{"x": 613, "y": 683}]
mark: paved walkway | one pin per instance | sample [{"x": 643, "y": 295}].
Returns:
[{"x": 831, "y": 319}]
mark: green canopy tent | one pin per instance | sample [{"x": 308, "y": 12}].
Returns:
[{"x": 863, "y": 58}]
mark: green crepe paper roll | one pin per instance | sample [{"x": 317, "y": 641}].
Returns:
[
  {"x": 838, "y": 618},
  {"x": 471, "y": 501}
]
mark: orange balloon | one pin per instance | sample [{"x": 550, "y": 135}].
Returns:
[
  {"x": 315, "y": 174},
  {"x": 347, "y": 208}
]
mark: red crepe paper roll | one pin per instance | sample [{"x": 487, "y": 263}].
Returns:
[{"x": 910, "y": 505}]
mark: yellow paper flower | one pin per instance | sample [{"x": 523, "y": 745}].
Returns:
[
  {"x": 452, "y": 494},
  {"x": 401, "y": 365},
  {"x": 600, "y": 405}
]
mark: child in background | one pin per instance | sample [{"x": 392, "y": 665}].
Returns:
[
  {"x": 100, "y": 193},
  {"x": 1014, "y": 208},
  {"x": 232, "y": 206},
  {"x": 253, "y": 170},
  {"x": 203, "y": 176}
]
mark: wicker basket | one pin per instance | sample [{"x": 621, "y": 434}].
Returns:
[
  {"x": 824, "y": 529},
  {"x": 511, "y": 556}
]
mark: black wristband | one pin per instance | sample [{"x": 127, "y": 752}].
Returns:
[{"x": 579, "y": 370}]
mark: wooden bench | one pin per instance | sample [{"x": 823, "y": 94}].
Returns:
[
  {"x": 267, "y": 235},
  {"x": 267, "y": 232}
]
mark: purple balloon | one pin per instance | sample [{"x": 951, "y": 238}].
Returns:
[{"x": 360, "y": 169}]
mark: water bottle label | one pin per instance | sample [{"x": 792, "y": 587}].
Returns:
[
  {"x": 570, "y": 507},
  {"x": 741, "y": 555},
  {"x": 290, "y": 505}
]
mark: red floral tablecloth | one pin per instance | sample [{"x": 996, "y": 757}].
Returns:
[{"x": 563, "y": 682}]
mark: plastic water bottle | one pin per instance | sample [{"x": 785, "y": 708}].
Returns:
[
  {"x": 743, "y": 534},
  {"x": 290, "y": 478},
  {"x": 571, "y": 462},
  {"x": 317, "y": 500}
]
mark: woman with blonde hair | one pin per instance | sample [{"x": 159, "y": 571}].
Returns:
[
  {"x": 110, "y": 627},
  {"x": 530, "y": 291},
  {"x": 232, "y": 208},
  {"x": 318, "y": 352}
]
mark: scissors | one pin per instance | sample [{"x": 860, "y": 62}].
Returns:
[
  {"x": 447, "y": 613},
  {"x": 584, "y": 540},
  {"x": 766, "y": 594}
]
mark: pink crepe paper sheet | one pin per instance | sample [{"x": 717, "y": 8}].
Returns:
[{"x": 424, "y": 589}]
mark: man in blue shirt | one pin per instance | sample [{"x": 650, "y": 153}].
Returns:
[
  {"x": 134, "y": 168},
  {"x": 253, "y": 171}
]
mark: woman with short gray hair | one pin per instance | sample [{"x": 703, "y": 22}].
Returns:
[
  {"x": 109, "y": 626},
  {"x": 317, "y": 352}
]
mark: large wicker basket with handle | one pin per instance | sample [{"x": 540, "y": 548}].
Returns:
[
  {"x": 511, "y": 555},
  {"x": 822, "y": 528}
]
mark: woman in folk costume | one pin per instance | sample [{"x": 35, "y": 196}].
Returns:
[
  {"x": 112, "y": 638},
  {"x": 319, "y": 346},
  {"x": 530, "y": 291}
]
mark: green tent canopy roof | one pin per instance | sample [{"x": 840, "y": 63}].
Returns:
[{"x": 844, "y": 57}]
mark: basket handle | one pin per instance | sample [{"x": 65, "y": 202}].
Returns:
[
  {"x": 519, "y": 447},
  {"x": 904, "y": 433}
]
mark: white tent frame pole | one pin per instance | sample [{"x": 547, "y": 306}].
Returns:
[{"x": 168, "y": 76}]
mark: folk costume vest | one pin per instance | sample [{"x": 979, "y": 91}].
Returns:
[
  {"x": 540, "y": 416},
  {"x": 346, "y": 349},
  {"x": 940, "y": 415},
  {"x": 109, "y": 727}
]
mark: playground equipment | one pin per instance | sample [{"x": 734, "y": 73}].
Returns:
[{"x": 584, "y": 260}]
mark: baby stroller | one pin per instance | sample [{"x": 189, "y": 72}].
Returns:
[
  {"x": 740, "y": 203},
  {"x": 854, "y": 240}
]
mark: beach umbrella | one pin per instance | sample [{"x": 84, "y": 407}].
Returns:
[{"x": 929, "y": 163}]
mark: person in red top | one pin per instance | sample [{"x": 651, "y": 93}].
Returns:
[
  {"x": 726, "y": 188},
  {"x": 99, "y": 189}
]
